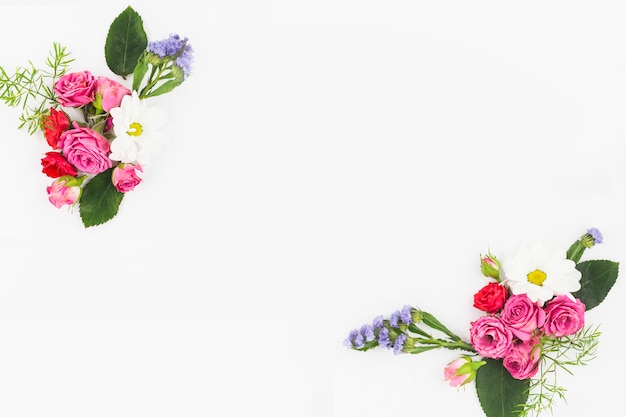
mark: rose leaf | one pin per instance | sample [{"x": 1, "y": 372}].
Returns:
[
  {"x": 100, "y": 200},
  {"x": 500, "y": 394},
  {"x": 125, "y": 42}
]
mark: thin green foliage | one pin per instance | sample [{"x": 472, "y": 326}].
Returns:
[
  {"x": 31, "y": 88},
  {"x": 559, "y": 354}
]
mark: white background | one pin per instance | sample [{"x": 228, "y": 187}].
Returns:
[{"x": 328, "y": 161}]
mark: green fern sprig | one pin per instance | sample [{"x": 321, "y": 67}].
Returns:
[
  {"x": 32, "y": 89},
  {"x": 559, "y": 353}
]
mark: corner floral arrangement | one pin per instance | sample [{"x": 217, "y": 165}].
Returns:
[
  {"x": 101, "y": 131},
  {"x": 532, "y": 326}
]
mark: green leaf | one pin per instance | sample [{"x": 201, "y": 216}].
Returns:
[
  {"x": 421, "y": 349},
  {"x": 500, "y": 394},
  {"x": 415, "y": 329},
  {"x": 100, "y": 200},
  {"x": 598, "y": 277},
  {"x": 166, "y": 87},
  {"x": 125, "y": 42},
  {"x": 434, "y": 323},
  {"x": 575, "y": 252},
  {"x": 140, "y": 71}
]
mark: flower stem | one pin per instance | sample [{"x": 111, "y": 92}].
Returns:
[
  {"x": 446, "y": 344},
  {"x": 145, "y": 92}
]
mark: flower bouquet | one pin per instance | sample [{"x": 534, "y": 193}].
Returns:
[
  {"x": 101, "y": 131},
  {"x": 532, "y": 326}
]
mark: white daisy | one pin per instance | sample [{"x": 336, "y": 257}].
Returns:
[
  {"x": 540, "y": 271},
  {"x": 137, "y": 130}
]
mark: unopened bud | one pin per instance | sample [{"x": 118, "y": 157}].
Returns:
[{"x": 490, "y": 266}]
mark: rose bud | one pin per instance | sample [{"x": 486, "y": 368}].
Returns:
[
  {"x": 65, "y": 191},
  {"x": 490, "y": 266},
  {"x": 461, "y": 371}
]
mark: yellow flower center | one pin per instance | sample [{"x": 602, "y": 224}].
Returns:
[
  {"x": 537, "y": 277},
  {"x": 135, "y": 129}
]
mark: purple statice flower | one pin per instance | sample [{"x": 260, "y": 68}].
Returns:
[
  {"x": 357, "y": 338},
  {"x": 167, "y": 47},
  {"x": 174, "y": 46},
  {"x": 377, "y": 323},
  {"x": 185, "y": 59},
  {"x": 596, "y": 235},
  {"x": 367, "y": 331},
  {"x": 383, "y": 338},
  {"x": 591, "y": 238},
  {"x": 405, "y": 314},
  {"x": 349, "y": 341},
  {"x": 394, "y": 318},
  {"x": 359, "y": 341},
  {"x": 398, "y": 344}
]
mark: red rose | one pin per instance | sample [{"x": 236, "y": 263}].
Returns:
[
  {"x": 55, "y": 165},
  {"x": 54, "y": 124},
  {"x": 490, "y": 298}
]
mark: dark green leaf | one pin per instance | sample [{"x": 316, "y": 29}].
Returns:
[
  {"x": 125, "y": 42},
  {"x": 500, "y": 394},
  {"x": 598, "y": 277},
  {"x": 100, "y": 200}
]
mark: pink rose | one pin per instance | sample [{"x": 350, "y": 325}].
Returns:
[
  {"x": 522, "y": 316},
  {"x": 490, "y": 337},
  {"x": 564, "y": 316},
  {"x": 109, "y": 94},
  {"x": 75, "y": 89},
  {"x": 60, "y": 192},
  {"x": 523, "y": 359},
  {"x": 125, "y": 177},
  {"x": 86, "y": 149}
]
